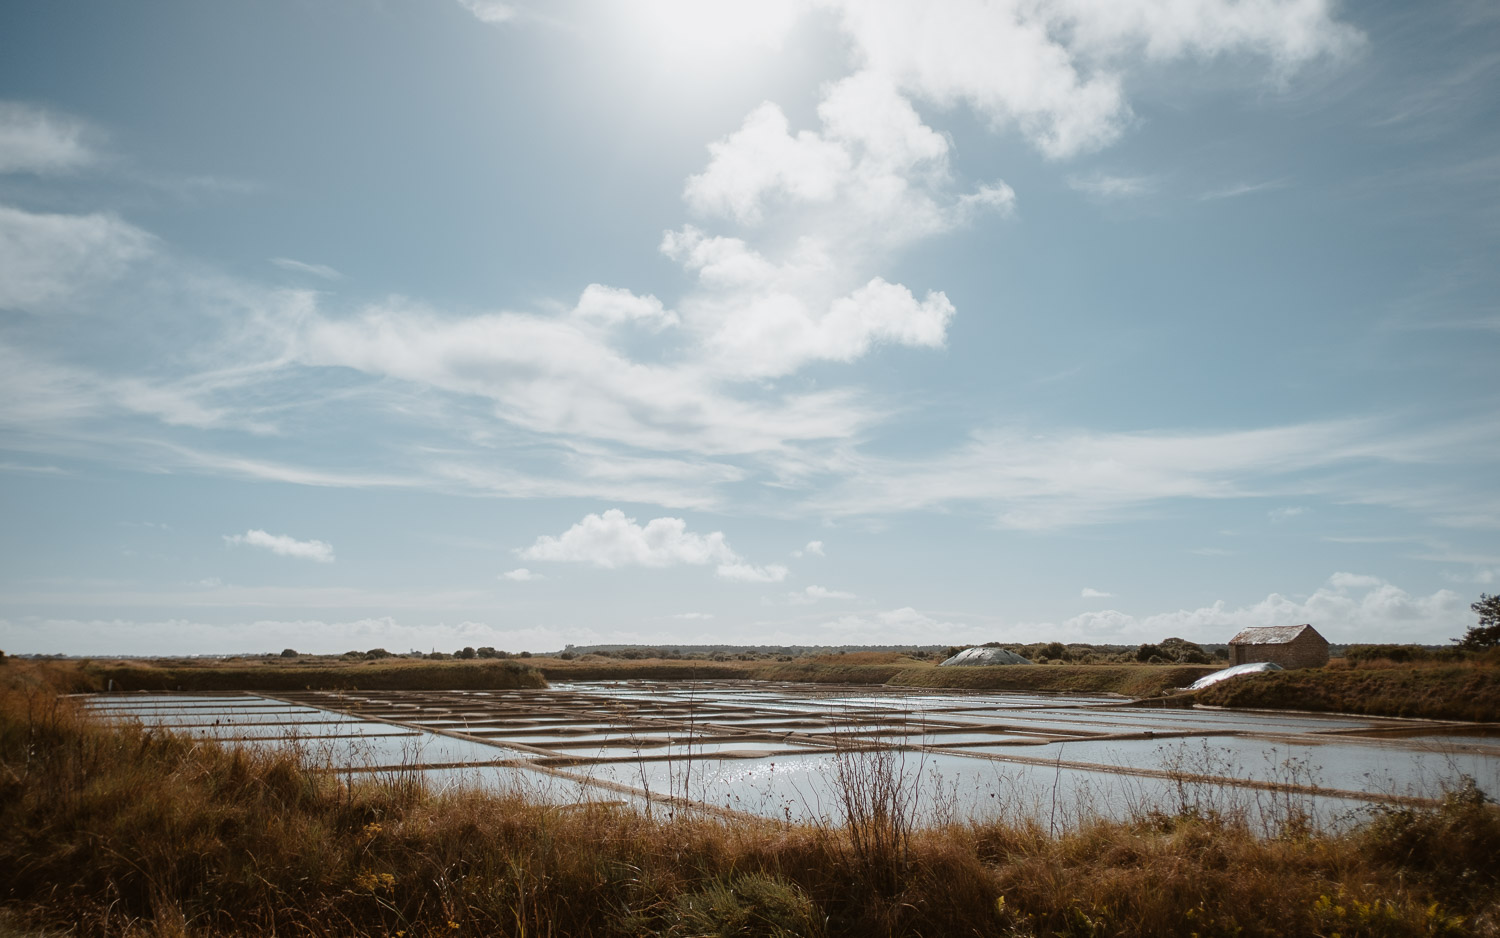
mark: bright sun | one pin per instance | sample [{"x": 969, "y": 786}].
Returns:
[{"x": 707, "y": 32}]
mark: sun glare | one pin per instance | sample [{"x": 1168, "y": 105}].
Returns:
[{"x": 709, "y": 32}]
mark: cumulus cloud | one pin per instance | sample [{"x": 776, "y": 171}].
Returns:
[
  {"x": 282, "y": 545},
  {"x": 1089, "y": 592},
  {"x": 763, "y": 158},
  {"x": 813, "y": 594},
  {"x": 36, "y": 140},
  {"x": 811, "y": 215},
  {"x": 521, "y": 575},
  {"x": 1054, "y": 68},
  {"x": 812, "y": 549},
  {"x": 1347, "y": 609},
  {"x": 611, "y": 540},
  {"x": 611, "y": 306}
]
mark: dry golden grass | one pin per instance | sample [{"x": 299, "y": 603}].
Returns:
[
  {"x": 309, "y": 674},
  {"x": 1468, "y": 690},
  {"x": 107, "y": 831},
  {"x": 1132, "y": 680}
]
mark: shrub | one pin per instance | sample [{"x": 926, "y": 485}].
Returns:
[
  {"x": 748, "y": 904},
  {"x": 289, "y": 653}
]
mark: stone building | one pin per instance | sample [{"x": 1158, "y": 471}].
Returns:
[{"x": 1291, "y": 646}]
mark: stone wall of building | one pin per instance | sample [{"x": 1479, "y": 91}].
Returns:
[{"x": 1307, "y": 650}]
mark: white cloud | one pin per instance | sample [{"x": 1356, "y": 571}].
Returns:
[
  {"x": 309, "y": 635},
  {"x": 521, "y": 575},
  {"x": 776, "y": 334},
  {"x": 1286, "y": 514},
  {"x": 1053, "y": 68},
  {"x": 283, "y": 545},
  {"x": 693, "y": 615},
  {"x": 817, "y": 211},
  {"x": 1107, "y": 187},
  {"x": 1089, "y": 592},
  {"x": 300, "y": 267},
  {"x": 813, "y": 594},
  {"x": 750, "y": 573},
  {"x": 764, "y": 159},
  {"x": 45, "y": 257},
  {"x": 1361, "y": 611},
  {"x": 610, "y": 306},
  {"x": 1036, "y": 481},
  {"x": 895, "y": 627},
  {"x": 1346, "y": 581},
  {"x": 491, "y": 11},
  {"x": 612, "y": 540},
  {"x": 812, "y": 549},
  {"x": 562, "y": 376},
  {"x": 1480, "y": 575},
  {"x": 36, "y": 140},
  {"x": 1247, "y": 188}
]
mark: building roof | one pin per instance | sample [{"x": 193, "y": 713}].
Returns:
[{"x": 1272, "y": 635}]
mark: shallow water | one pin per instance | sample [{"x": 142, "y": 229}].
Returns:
[{"x": 770, "y": 749}]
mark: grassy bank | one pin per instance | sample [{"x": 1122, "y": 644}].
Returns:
[
  {"x": 1140, "y": 680},
  {"x": 109, "y": 831},
  {"x": 1442, "y": 692},
  {"x": 873, "y": 668},
  {"x": 386, "y": 674},
  {"x": 890, "y": 668},
  {"x": 593, "y": 668}
]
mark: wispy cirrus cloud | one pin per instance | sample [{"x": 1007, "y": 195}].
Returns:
[
  {"x": 1063, "y": 479},
  {"x": 35, "y": 139},
  {"x": 1107, "y": 187},
  {"x": 47, "y": 257},
  {"x": 1243, "y": 189},
  {"x": 302, "y": 267}
]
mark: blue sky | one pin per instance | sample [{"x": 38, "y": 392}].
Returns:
[{"x": 420, "y": 325}]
